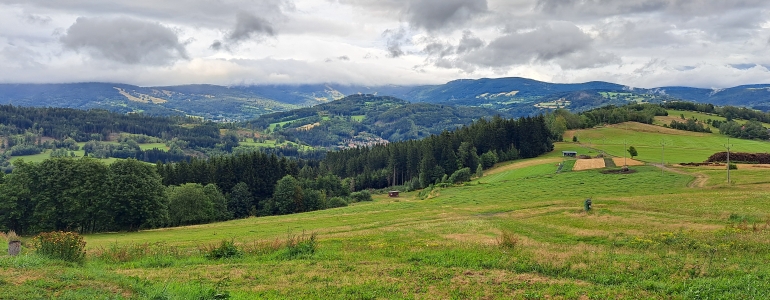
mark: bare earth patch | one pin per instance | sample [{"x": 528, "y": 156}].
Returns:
[
  {"x": 631, "y": 162},
  {"x": 588, "y": 164}
]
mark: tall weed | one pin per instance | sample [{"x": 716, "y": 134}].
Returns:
[{"x": 68, "y": 246}]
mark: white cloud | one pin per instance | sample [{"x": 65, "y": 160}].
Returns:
[{"x": 696, "y": 43}]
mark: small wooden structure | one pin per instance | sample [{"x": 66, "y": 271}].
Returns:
[
  {"x": 393, "y": 194},
  {"x": 569, "y": 153},
  {"x": 14, "y": 247}
]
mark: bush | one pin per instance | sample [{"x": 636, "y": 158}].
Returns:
[
  {"x": 68, "y": 246},
  {"x": 461, "y": 175},
  {"x": 361, "y": 196},
  {"x": 226, "y": 249},
  {"x": 733, "y": 166},
  {"x": 335, "y": 202},
  {"x": 300, "y": 246}
]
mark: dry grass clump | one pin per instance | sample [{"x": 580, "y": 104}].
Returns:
[
  {"x": 10, "y": 236},
  {"x": 507, "y": 240}
]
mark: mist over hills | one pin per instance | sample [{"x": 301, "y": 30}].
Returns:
[{"x": 509, "y": 96}]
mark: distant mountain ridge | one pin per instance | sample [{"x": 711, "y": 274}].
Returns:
[{"x": 513, "y": 96}]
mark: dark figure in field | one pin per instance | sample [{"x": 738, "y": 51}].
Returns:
[{"x": 587, "y": 204}]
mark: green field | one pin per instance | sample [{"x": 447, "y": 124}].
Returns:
[
  {"x": 676, "y": 115},
  {"x": 80, "y": 153},
  {"x": 681, "y": 146},
  {"x": 358, "y": 118},
  {"x": 519, "y": 233}
]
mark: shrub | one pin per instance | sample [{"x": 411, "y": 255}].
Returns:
[
  {"x": 733, "y": 166},
  {"x": 226, "y": 249},
  {"x": 298, "y": 246},
  {"x": 10, "y": 236},
  {"x": 361, "y": 196},
  {"x": 335, "y": 202},
  {"x": 461, "y": 175},
  {"x": 68, "y": 246}
]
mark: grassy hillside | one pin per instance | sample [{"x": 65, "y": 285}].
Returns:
[
  {"x": 519, "y": 232},
  {"x": 681, "y": 146}
]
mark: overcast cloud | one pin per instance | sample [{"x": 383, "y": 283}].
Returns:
[{"x": 643, "y": 43}]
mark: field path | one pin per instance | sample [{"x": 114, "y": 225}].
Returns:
[{"x": 699, "y": 181}]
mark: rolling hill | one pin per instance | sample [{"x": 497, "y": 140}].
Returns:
[
  {"x": 519, "y": 232},
  {"x": 367, "y": 119},
  {"x": 509, "y": 96}
]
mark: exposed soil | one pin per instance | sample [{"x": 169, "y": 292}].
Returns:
[{"x": 588, "y": 164}]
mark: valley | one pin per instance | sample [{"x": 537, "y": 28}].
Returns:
[{"x": 520, "y": 231}]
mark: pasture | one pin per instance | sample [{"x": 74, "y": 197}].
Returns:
[
  {"x": 680, "y": 146},
  {"x": 519, "y": 232}
]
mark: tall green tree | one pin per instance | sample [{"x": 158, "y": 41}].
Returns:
[
  {"x": 287, "y": 197},
  {"x": 188, "y": 204},
  {"x": 137, "y": 195},
  {"x": 632, "y": 151},
  {"x": 240, "y": 201}
]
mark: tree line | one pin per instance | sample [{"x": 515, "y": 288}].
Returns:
[{"x": 429, "y": 160}]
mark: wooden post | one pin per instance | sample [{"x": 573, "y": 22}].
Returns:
[{"x": 14, "y": 247}]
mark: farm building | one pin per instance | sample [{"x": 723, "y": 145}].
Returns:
[
  {"x": 569, "y": 153},
  {"x": 393, "y": 194}
]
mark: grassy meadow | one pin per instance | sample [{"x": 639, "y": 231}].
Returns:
[
  {"x": 519, "y": 232},
  {"x": 680, "y": 146}
]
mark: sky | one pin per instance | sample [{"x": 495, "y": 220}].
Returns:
[{"x": 639, "y": 43}]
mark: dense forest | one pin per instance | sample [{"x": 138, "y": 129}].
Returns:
[{"x": 436, "y": 158}]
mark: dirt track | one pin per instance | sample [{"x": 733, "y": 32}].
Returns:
[{"x": 699, "y": 181}]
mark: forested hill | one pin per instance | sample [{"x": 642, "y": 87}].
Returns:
[
  {"x": 509, "y": 96},
  {"x": 367, "y": 119}
]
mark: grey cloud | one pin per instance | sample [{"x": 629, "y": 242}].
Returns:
[
  {"x": 679, "y": 9},
  {"x": 339, "y": 58},
  {"x": 249, "y": 26},
  {"x": 432, "y": 15},
  {"x": 20, "y": 57},
  {"x": 125, "y": 40},
  {"x": 205, "y": 13},
  {"x": 35, "y": 19},
  {"x": 600, "y": 7},
  {"x": 216, "y": 45},
  {"x": 394, "y": 39},
  {"x": 558, "y": 42},
  {"x": 469, "y": 42},
  {"x": 638, "y": 33},
  {"x": 439, "y": 14}
]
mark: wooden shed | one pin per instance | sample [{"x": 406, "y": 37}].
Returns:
[
  {"x": 393, "y": 194},
  {"x": 569, "y": 153}
]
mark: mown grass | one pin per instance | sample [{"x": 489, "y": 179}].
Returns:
[
  {"x": 520, "y": 233},
  {"x": 681, "y": 146}
]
